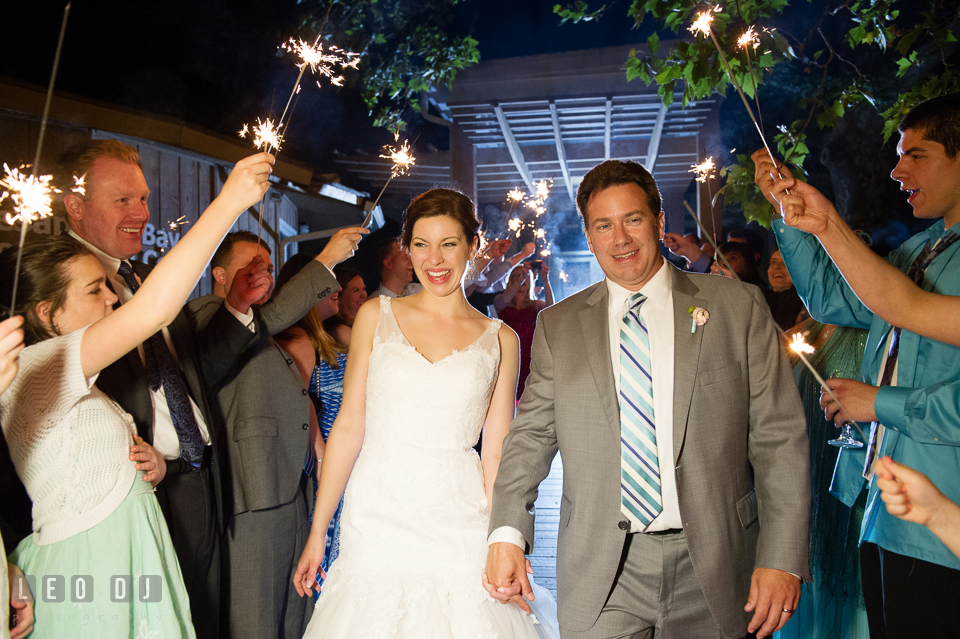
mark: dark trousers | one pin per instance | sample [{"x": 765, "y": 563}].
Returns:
[
  {"x": 188, "y": 504},
  {"x": 908, "y": 598}
]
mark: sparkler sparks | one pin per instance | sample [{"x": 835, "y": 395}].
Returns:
[
  {"x": 180, "y": 221},
  {"x": 32, "y": 196},
  {"x": 703, "y": 23},
  {"x": 402, "y": 158},
  {"x": 798, "y": 345},
  {"x": 703, "y": 170},
  {"x": 515, "y": 195},
  {"x": 245, "y": 131},
  {"x": 80, "y": 186},
  {"x": 749, "y": 39},
  {"x": 515, "y": 225},
  {"x": 314, "y": 58},
  {"x": 563, "y": 276},
  {"x": 543, "y": 189},
  {"x": 266, "y": 135}
]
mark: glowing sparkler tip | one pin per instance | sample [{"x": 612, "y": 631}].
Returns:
[
  {"x": 563, "y": 276},
  {"x": 402, "y": 158},
  {"x": 703, "y": 23},
  {"x": 320, "y": 61},
  {"x": 749, "y": 38},
  {"x": 798, "y": 345},
  {"x": 80, "y": 187},
  {"x": 515, "y": 195},
  {"x": 32, "y": 196},
  {"x": 266, "y": 136},
  {"x": 703, "y": 170}
]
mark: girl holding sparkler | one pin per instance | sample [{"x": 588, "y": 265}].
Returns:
[{"x": 71, "y": 444}]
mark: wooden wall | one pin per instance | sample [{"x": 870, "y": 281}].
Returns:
[{"x": 182, "y": 184}]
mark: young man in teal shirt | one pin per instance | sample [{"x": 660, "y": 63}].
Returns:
[{"x": 910, "y": 579}]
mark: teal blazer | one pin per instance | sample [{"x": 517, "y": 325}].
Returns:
[{"x": 921, "y": 413}]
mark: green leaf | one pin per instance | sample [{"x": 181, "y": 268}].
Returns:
[{"x": 653, "y": 42}]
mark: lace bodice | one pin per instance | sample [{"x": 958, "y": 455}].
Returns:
[{"x": 439, "y": 405}]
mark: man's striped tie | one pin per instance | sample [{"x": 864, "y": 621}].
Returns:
[{"x": 639, "y": 468}]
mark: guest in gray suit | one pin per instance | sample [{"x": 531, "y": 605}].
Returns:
[
  {"x": 263, "y": 407},
  {"x": 685, "y": 490}
]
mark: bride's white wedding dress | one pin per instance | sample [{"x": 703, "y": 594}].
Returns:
[{"x": 414, "y": 524}]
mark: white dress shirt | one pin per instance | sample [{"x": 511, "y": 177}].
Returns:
[
  {"x": 657, "y": 315},
  {"x": 165, "y": 439}
]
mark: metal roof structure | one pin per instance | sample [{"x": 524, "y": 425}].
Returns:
[{"x": 553, "y": 117}]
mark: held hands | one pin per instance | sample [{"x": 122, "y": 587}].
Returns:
[
  {"x": 11, "y": 343},
  {"x": 304, "y": 579},
  {"x": 250, "y": 284},
  {"x": 248, "y": 181},
  {"x": 148, "y": 459},
  {"x": 858, "y": 398},
  {"x": 342, "y": 245},
  {"x": 505, "y": 576},
  {"x": 772, "y": 594}
]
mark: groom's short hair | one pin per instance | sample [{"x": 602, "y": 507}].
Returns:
[{"x": 615, "y": 173}]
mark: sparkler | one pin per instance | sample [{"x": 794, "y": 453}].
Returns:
[
  {"x": 266, "y": 135},
  {"x": 30, "y": 199},
  {"x": 720, "y": 256},
  {"x": 402, "y": 161},
  {"x": 799, "y": 346},
  {"x": 704, "y": 26}
]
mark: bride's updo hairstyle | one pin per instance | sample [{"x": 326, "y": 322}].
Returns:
[{"x": 437, "y": 202}]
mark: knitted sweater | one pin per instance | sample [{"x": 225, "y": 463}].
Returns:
[{"x": 69, "y": 442}]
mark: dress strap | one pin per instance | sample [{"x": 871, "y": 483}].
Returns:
[{"x": 388, "y": 330}]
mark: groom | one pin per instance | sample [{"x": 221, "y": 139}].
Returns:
[{"x": 685, "y": 457}]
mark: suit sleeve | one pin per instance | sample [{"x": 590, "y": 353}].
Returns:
[
  {"x": 313, "y": 283},
  {"x": 529, "y": 447},
  {"x": 819, "y": 282},
  {"x": 778, "y": 448}
]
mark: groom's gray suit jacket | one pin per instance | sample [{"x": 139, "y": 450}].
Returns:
[{"x": 740, "y": 446}]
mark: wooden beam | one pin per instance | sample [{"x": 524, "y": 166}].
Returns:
[
  {"x": 515, "y": 153},
  {"x": 608, "y": 125},
  {"x": 561, "y": 154},
  {"x": 654, "y": 147}
]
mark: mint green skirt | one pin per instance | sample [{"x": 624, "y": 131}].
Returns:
[{"x": 118, "y": 579}]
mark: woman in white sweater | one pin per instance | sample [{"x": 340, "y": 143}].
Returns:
[{"x": 100, "y": 551}]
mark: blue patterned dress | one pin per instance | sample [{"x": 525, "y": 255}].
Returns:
[{"x": 326, "y": 385}]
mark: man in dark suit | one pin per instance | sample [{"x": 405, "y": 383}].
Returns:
[{"x": 265, "y": 410}]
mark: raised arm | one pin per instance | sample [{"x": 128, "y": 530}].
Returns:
[
  {"x": 503, "y": 404},
  {"x": 343, "y": 445},
  {"x": 162, "y": 294},
  {"x": 882, "y": 287}
]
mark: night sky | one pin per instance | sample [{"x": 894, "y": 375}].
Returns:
[{"x": 215, "y": 63}]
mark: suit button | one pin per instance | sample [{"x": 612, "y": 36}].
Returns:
[
  {"x": 289, "y": 362},
  {"x": 304, "y": 391},
  {"x": 624, "y": 525},
  {"x": 306, "y": 427}
]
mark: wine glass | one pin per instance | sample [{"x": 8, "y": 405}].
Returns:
[{"x": 846, "y": 440}]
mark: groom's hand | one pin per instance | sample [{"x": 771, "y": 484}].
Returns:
[
  {"x": 774, "y": 596},
  {"x": 505, "y": 576}
]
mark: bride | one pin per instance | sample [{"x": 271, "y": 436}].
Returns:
[{"x": 426, "y": 373}]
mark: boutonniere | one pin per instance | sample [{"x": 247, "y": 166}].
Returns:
[{"x": 698, "y": 317}]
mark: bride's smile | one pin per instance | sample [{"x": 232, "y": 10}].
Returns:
[{"x": 440, "y": 253}]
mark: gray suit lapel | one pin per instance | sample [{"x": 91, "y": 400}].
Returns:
[
  {"x": 596, "y": 339},
  {"x": 686, "y": 354}
]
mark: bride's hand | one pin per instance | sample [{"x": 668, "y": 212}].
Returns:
[{"x": 305, "y": 577}]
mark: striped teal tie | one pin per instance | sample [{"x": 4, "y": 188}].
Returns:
[{"x": 639, "y": 468}]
